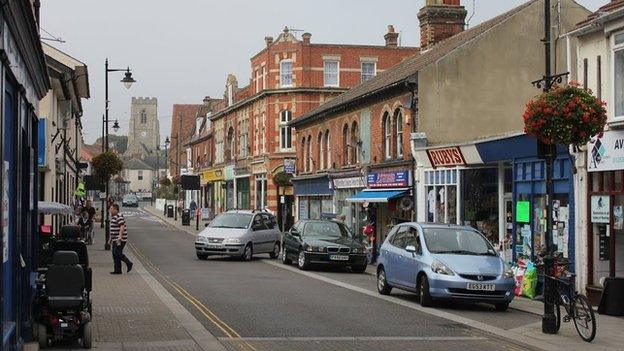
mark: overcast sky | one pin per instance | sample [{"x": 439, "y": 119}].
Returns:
[{"x": 180, "y": 51}]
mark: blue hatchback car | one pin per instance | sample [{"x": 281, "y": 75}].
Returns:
[{"x": 444, "y": 262}]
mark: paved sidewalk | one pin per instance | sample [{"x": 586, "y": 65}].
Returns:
[{"x": 135, "y": 312}]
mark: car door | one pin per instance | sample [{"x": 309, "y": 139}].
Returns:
[
  {"x": 409, "y": 262},
  {"x": 268, "y": 234},
  {"x": 291, "y": 243},
  {"x": 391, "y": 253},
  {"x": 257, "y": 232}
]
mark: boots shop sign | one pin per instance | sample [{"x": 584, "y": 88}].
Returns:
[{"x": 446, "y": 157}]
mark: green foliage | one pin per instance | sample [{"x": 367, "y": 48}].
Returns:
[
  {"x": 106, "y": 165},
  {"x": 282, "y": 179},
  {"x": 166, "y": 192},
  {"x": 165, "y": 182},
  {"x": 118, "y": 142}
]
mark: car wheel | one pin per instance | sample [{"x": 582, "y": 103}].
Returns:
[
  {"x": 501, "y": 306},
  {"x": 86, "y": 335},
  {"x": 302, "y": 261},
  {"x": 423, "y": 292},
  {"x": 382, "y": 283},
  {"x": 247, "y": 253},
  {"x": 359, "y": 269},
  {"x": 42, "y": 335},
  {"x": 285, "y": 259},
  {"x": 276, "y": 250},
  {"x": 202, "y": 256}
]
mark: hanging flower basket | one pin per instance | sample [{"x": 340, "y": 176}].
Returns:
[{"x": 568, "y": 115}]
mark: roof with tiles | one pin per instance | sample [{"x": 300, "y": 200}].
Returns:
[
  {"x": 404, "y": 71},
  {"x": 612, "y": 6}
]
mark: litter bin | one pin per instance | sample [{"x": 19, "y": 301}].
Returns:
[
  {"x": 170, "y": 211},
  {"x": 186, "y": 217}
]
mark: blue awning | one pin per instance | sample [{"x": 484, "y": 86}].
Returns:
[
  {"x": 318, "y": 186},
  {"x": 376, "y": 195}
]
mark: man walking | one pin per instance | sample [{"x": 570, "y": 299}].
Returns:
[{"x": 118, "y": 238}]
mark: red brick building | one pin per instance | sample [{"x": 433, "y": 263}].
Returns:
[
  {"x": 182, "y": 128},
  {"x": 289, "y": 77}
]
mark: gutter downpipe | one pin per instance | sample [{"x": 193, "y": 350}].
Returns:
[{"x": 412, "y": 85}]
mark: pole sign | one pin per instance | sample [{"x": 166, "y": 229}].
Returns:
[
  {"x": 41, "y": 142},
  {"x": 289, "y": 165},
  {"x": 388, "y": 179},
  {"x": 600, "y": 209},
  {"x": 446, "y": 157}
]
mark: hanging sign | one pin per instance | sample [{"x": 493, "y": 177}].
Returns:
[
  {"x": 523, "y": 211},
  {"x": 600, "y": 209},
  {"x": 289, "y": 165},
  {"x": 446, "y": 157}
]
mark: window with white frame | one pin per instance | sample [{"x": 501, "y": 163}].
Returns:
[
  {"x": 398, "y": 116},
  {"x": 331, "y": 69},
  {"x": 264, "y": 149},
  {"x": 285, "y": 130},
  {"x": 387, "y": 135},
  {"x": 286, "y": 73},
  {"x": 257, "y": 81},
  {"x": 243, "y": 139},
  {"x": 369, "y": 70},
  {"x": 618, "y": 75},
  {"x": 256, "y": 136},
  {"x": 264, "y": 79}
]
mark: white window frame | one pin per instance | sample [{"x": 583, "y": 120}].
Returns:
[
  {"x": 321, "y": 150},
  {"x": 264, "y": 149},
  {"x": 327, "y": 140},
  {"x": 256, "y": 136},
  {"x": 362, "y": 70},
  {"x": 285, "y": 140},
  {"x": 614, "y": 49},
  {"x": 388, "y": 136},
  {"x": 325, "y": 73},
  {"x": 399, "y": 134},
  {"x": 285, "y": 80},
  {"x": 257, "y": 80}
]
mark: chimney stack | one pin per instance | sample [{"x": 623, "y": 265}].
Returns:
[
  {"x": 440, "y": 19},
  {"x": 391, "y": 37},
  {"x": 268, "y": 40},
  {"x": 306, "y": 38}
]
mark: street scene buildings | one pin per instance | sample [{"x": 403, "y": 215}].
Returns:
[{"x": 464, "y": 191}]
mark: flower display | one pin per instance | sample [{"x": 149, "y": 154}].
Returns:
[{"x": 567, "y": 115}]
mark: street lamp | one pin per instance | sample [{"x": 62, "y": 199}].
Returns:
[
  {"x": 167, "y": 168},
  {"x": 127, "y": 81}
]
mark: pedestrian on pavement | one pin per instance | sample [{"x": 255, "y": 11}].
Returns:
[
  {"x": 90, "y": 209},
  {"x": 118, "y": 239},
  {"x": 193, "y": 206},
  {"x": 180, "y": 207}
]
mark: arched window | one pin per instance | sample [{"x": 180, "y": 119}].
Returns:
[
  {"x": 387, "y": 134},
  {"x": 285, "y": 130},
  {"x": 309, "y": 154},
  {"x": 229, "y": 145},
  {"x": 327, "y": 149},
  {"x": 302, "y": 155},
  {"x": 398, "y": 117},
  {"x": 345, "y": 145},
  {"x": 320, "y": 151},
  {"x": 355, "y": 143}
]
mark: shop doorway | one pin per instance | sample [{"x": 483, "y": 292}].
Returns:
[{"x": 285, "y": 218}]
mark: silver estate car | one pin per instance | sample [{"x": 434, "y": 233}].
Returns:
[{"x": 240, "y": 233}]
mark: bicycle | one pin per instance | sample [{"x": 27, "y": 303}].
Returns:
[{"x": 576, "y": 306}]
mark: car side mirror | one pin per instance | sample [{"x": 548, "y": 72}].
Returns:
[
  {"x": 410, "y": 249},
  {"x": 295, "y": 232}
]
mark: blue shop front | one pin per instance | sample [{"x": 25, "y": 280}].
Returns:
[
  {"x": 498, "y": 186},
  {"x": 313, "y": 196},
  {"x": 24, "y": 81}
]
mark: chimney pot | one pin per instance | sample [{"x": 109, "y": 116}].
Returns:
[
  {"x": 392, "y": 38},
  {"x": 439, "y": 20},
  {"x": 306, "y": 38}
]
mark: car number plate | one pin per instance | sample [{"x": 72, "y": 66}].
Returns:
[
  {"x": 481, "y": 287},
  {"x": 211, "y": 246},
  {"x": 339, "y": 257},
  {"x": 64, "y": 325}
]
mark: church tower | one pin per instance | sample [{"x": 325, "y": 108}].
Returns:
[{"x": 144, "y": 130}]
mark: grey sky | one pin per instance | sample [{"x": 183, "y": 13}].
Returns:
[{"x": 181, "y": 51}]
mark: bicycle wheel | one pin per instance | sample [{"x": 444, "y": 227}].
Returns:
[{"x": 584, "y": 318}]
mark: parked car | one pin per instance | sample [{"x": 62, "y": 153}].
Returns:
[
  {"x": 323, "y": 242},
  {"x": 444, "y": 262},
  {"x": 130, "y": 200},
  {"x": 240, "y": 233}
]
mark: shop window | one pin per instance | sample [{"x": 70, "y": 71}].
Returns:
[
  {"x": 480, "y": 200},
  {"x": 441, "y": 187},
  {"x": 315, "y": 208}
]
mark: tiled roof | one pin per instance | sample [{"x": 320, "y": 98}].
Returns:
[
  {"x": 612, "y": 6},
  {"x": 135, "y": 163},
  {"x": 400, "y": 73}
]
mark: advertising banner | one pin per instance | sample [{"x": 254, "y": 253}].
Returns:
[{"x": 388, "y": 179}]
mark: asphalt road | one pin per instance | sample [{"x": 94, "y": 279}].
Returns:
[{"x": 259, "y": 305}]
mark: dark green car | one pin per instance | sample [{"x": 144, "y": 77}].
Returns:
[{"x": 323, "y": 242}]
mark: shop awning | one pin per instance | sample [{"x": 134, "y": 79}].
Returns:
[
  {"x": 377, "y": 195},
  {"x": 52, "y": 208}
]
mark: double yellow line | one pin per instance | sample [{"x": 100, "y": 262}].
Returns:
[{"x": 205, "y": 311}]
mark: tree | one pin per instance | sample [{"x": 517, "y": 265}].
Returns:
[
  {"x": 118, "y": 142},
  {"x": 106, "y": 165},
  {"x": 165, "y": 182}
]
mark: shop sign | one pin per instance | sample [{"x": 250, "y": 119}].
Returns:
[
  {"x": 446, "y": 157},
  {"x": 388, "y": 179},
  {"x": 600, "y": 209},
  {"x": 606, "y": 152},
  {"x": 41, "y": 142},
  {"x": 289, "y": 165},
  {"x": 212, "y": 176},
  {"x": 348, "y": 183}
]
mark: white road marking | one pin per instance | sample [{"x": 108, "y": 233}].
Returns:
[
  {"x": 358, "y": 338},
  {"x": 432, "y": 311}
]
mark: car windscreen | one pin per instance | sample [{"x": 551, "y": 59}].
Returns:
[
  {"x": 231, "y": 220},
  {"x": 326, "y": 229},
  {"x": 457, "y": 241},
  {"x": 129, "y": 197}
]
